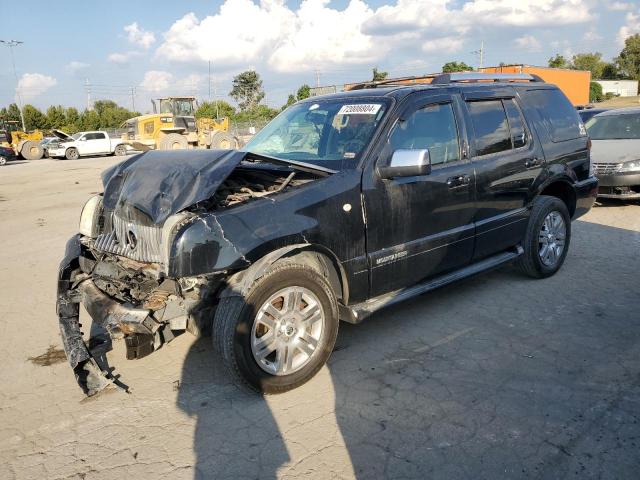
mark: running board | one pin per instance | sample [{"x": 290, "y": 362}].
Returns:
[{"x": 358, "y": 312}]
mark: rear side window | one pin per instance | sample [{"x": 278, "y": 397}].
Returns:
[
  {"x": 516, "y": 123},
  {"x": 491, "y": 126},
  {"x": 558, "y": 115}
]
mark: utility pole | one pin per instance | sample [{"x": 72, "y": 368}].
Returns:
[
  {"x": 480, "y": 54},
  {"x": 11, "y": 44},
  {"x": 133, "y": 99},
  {"x": 209, "y": 81},
  {"x": 87, "y": 87},
  {"x": 317, "y": 77}
]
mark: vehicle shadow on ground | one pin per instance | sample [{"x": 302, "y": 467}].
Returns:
[{"x": 498, "y": 376}]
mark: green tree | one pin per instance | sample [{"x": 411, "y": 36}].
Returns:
[
  {"x": 33, "y": 118},
  {"x": 290, "y": 101},
  {"x": 451, "y": 67},
  {"x": 589, "y": 61},
  {"x": 56, "y": 116},
  {"x": 303, "y": 92},
  {"x": 595, "y": 92},
  {"x": 559, "y": 62},
  {"x": 629, "y": 59},
  {"x": 247, "y": 90},
  {"x": 379, "y": 75},
  {"x": 71, "y": 121},
  {"x": 10, "y": 114},
  {"x": 610, "y": 71},
  {"x": 215, "y": 109},
  {"x": 89, "y": 120},
  {"x": 112, "y": 115}
]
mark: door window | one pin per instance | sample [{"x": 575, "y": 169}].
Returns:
[
  {"x": 491, "y": 126},
  {"x": 432, "y": 127}
]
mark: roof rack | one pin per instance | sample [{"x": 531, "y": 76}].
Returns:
[{"x": 447, "y": 78}]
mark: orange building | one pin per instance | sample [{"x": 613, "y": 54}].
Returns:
[{"x": 574, "y": 83}]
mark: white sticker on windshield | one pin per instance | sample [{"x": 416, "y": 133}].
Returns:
[
  {"x": 360, "y": 109},
  {"x": 583, "y": 131},
  {"x": 314, "y": 106}
]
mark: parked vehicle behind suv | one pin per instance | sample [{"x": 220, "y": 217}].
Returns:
[
  {"x": 84, "y": 144},
  {"x": 342, "y": 205},
  {"x": 616, "y": 152}
]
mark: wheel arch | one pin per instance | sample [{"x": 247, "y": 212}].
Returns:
[
  {"x": 563, "y": 189},
  {"x": 315, "y": 255}
]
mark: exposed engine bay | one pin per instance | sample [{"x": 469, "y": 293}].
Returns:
[{"x": 250, "y": 183}]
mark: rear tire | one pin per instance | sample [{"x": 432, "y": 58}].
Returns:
[
  {"x": 31, "y": 150},
  {"x": 72, "y": 153},
  {"x": 223, "y": 141},
  {"x": 120, "y": 151},
  {"x": 549, "y": 226},
  {"x": 173, "y": 141},
  {"x": 303, "y": 329}
]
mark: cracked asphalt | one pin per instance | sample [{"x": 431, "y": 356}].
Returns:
[{"x": 496, "y": 377}]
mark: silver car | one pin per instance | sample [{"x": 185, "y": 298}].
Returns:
[{"x": 615, "y": 152}]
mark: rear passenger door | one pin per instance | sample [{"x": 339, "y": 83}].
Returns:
[{"x": 508, "y": 163}]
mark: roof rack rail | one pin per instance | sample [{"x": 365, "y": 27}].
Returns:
[{"x": 446, "y": 78}]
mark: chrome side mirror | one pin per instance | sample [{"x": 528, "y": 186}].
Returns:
[{"x": 407, "y": 163}]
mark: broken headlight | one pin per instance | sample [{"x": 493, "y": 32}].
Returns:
[{"x": 90, "y": 217}]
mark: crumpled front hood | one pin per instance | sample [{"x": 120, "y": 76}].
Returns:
[
  {"x": 615, "y": 151},
  {"x": 161, "y": 183}
]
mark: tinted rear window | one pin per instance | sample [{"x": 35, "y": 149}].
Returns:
[{"x": 557, "y": 114}]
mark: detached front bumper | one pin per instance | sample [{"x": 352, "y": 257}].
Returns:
[{"x": 144, "y": 330}]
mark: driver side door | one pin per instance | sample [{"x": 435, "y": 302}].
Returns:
[{"x": 422, "y": 225}]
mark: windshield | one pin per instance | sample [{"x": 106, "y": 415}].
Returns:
[
  {"x": 179, "y": 107},
  {"x": 76, "y": 136},
  {"x": 615, "y": 127},
  {"x": 328, "y": 133}
]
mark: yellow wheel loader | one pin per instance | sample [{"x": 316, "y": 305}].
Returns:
[
  {"x": 24, "y": 144},
  {"x": 174, "y": 126}
]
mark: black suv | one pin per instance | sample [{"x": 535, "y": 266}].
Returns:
[{"x": 342, "y": 205}]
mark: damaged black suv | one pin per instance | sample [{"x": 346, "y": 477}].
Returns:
[{"x": 342, "y": 205}]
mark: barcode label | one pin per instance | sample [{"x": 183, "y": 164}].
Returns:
[{"x": 360, "y": 109}]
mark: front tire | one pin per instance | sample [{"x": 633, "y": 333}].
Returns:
[
  {"x": 277, "y": 336},
  {"x": 547, "y": 239},
  {"x": 173, "y": 141}
]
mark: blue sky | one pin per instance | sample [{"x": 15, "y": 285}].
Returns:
[{"x": 158, "y": 48}]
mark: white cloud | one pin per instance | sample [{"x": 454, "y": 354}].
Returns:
[
  {"x": 619, "y": 6},
  {"x": 76, "y": 66},
  {"x": 444, "y": 45},
  {"x": 139, "y": 37},
  {"x": 31, "y": 85},
  {"x": 528, "y": 42},
  {"x": 592, "y": 36},
  {"x": 315, "y": 34},
  {"x": 122, "y": 57},
  {"x": 631, "y": 27},
  {"x": 156, "y": 81}
]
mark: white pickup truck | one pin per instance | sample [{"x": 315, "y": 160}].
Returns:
[{"x": 84, "y": 144}]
